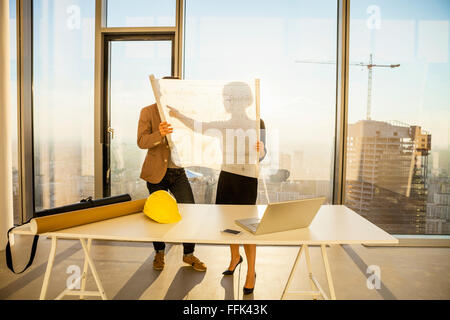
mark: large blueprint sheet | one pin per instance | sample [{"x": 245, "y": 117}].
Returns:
[{"x": 215, "y": 123}]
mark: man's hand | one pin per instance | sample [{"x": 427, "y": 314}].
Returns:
[{"x": 165, "y": 128}]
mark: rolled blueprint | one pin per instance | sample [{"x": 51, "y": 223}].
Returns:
[{"x": 85, "y": 216}]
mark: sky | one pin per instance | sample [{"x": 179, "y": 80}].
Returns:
[
  {"x": 414, "y": 34},
  {"x": 246, "y": 40}
]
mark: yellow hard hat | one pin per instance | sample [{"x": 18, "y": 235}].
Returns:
[{"x": 162, "y": 207}]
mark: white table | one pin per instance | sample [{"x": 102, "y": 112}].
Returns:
[{"x": 202, "y": 224}]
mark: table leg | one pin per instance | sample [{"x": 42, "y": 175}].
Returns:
[
  {"x": 308, "y": 267},
  {"x": 85, "y": 269},
  {"x": 236, "y": 288},
  {"x": 291, "y": 275},
  {"x": 94, "y": 271},
  {"x": 48, "y": 271},
  {"x": 323, "y": 247}
]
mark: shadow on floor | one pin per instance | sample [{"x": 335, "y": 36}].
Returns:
[
  {"x": 185, "y": 280},
  {"x": 384, "y": 291},
  {"x": 227, "y": 283},
  {"x": 35, "y": 273},
  {"x": 248, "y": 296},
  {"x": 140, "y": 281}
]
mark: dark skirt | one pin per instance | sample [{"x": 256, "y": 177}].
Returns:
[{"x": 236, "y": 189}]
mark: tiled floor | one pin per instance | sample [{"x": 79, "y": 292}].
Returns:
[{"x": 126, "y": 272}]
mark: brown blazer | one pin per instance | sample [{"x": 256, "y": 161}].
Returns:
[{"x": 148, "y": 137}]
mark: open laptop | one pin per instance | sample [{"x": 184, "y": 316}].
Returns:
[{"x": 283, "y": 216}]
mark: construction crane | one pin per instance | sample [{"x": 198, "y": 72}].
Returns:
[{"x": 369, "y": 66}]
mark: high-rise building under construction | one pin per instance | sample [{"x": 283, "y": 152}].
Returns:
[{"x": 386, "y": 174}]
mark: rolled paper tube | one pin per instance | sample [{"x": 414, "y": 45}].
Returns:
[{"x": 85, "y": 216}]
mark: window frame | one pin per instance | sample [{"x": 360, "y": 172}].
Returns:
[
  {"x": 102, "y": 33},
  {"x": 106, "y": 108}
]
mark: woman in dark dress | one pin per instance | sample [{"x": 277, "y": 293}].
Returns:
[
  {"x": 238, "y": 189},
  {"x": 238, "y": 183}
]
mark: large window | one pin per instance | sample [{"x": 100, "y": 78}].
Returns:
[
  {"x": 275, "y": 41},
  {"x": 130, "y": 64},
  {"x": 399, "y": 104},
  {"x": 141, "y": 13},
  {"x": 397, "y": 170},
  {"x": 13, "y": 120},
  {"x": 63, "y": 38}
]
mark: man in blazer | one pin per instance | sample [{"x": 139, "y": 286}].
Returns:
[{"x": 161, "y": 173}]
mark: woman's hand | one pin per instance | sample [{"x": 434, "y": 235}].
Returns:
[
  {"x": 259, "y": 146},
  {"x": 165, "y": 128},
  {"x": 174, "y": 112}
]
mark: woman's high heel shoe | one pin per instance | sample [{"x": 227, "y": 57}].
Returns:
[
  {"x": 249, "y": 290},
  {"x": 230, "y": 272}
]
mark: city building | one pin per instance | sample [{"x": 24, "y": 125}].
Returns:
[
  {"x": 387, "y": 166},
  {"x": 438, "y": 206}
]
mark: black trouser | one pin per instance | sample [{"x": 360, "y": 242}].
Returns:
[
  {"x": 177, "y": 183},
  {"x": 236, "y": 189}
]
